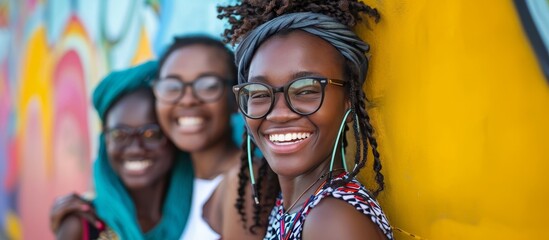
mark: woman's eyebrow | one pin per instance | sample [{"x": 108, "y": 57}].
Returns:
[
  {"x": 296, "y": 75},
  {"x": 117, "y": 125},
  {"x": 305, "y": 74},
  {"x": 204, "y": 74},
  {"x": 172, "y": 76},
  {"x": 257, "y": 79}
]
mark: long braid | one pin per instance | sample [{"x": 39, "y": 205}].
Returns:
[
  {"x": 363, "y": 134},
  {"x": 362, "y": 144},
  {"x": 344, "y": 142},
  {"x": 366, "y": 127},
  {"x": 267, "y": 190},
  {"x": 267, "y": 181},
  {"x": 364, "y": 123},
  {"x": 243, "y": 179},
  {"x": 360, "y": 109},
  {"x": 258, "y": 207},
  {"x": 347, "y": 71},
  {"x": 373, "y": 142},
  {"x": 268, "y": 200}
]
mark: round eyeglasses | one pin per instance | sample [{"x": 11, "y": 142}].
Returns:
[
  {"x": 207, "y": 88},
  {"x": 304, "y": 96},
  {"x": 149, "y": 136}
]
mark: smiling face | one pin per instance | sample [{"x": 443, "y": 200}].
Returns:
[
  {"x": 140, "y": 162},
  {"x": 291, "y": 143},
  {"x": 192, "y": 124}
]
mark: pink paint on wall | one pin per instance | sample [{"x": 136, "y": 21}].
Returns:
[
  {"x": 34, "y": 188},
  {"x": 71, "y": 160}
]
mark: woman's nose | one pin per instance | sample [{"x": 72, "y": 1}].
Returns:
[
  {"x": 281, "y": 111},
  {"x": 188, "y": 98}
]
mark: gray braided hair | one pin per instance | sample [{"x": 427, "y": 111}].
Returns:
[{"x": 325, "y": 27}]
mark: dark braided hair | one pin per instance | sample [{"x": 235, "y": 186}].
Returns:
[
  {"x": 249, "y": 14},
  {"x": 243, "y": 178},
  {"x": 363, "y": 125},
  {"x": 271, "y": 187}
]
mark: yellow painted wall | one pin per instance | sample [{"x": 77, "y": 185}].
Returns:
[{"x": 462, "y": 111}]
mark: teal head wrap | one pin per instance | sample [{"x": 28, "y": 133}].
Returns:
[{"x": 113, "y": 203}]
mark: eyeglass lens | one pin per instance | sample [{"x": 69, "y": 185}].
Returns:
[
  {"x": 206, "y": 88},
  {"x": 150, "y": 136},
  {"x": 304, "y": 96}
]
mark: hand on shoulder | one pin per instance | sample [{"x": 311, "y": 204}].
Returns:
[{"x": 67, "y": 213}]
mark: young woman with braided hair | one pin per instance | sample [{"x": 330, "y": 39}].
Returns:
[{"x": 305, "y": 51}]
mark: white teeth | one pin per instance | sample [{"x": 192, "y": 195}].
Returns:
[
  {"x": 288, "y": 137},
  {"x": 189, "y": 121},
  {"x": 137, "y": 165}
]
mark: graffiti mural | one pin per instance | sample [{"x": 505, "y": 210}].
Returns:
[
  {"x": 52, "y": 54},
  {"x": 460, "y": 93}
]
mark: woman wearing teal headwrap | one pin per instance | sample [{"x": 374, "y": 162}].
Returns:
[
  {"x": 143, "y": 184},
  {"x": 199, "y": 120}
]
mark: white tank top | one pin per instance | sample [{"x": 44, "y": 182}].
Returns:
[{"x": 196, "y": 227}]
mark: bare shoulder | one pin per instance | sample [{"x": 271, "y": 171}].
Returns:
[
  {"x": 232, "y": 174},
  {"x": 335, "y": 219},
  {"x": 70, "y": 228},
  {"x": 217, "y": 208},
  {"x": 211, "y": 210}
]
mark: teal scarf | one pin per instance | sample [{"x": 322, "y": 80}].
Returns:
[
  {"x": 115, "y": 207},
  {"x": 113, "y": 203}
]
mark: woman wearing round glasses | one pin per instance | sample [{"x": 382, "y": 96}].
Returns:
[
  {"x": 194, "y": 109},
  {"x": 142, "y": 182},
  {"x": 301, "y": 71}
]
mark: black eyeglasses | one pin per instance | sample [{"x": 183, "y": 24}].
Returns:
[
  {"x": 207, "y": 88},
  {"x": 150, "y": 136},
  {"x": 303, "y": 96}
]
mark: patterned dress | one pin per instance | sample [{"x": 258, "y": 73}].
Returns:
[{"x": 354, "y": 193}]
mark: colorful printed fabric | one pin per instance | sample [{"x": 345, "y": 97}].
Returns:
[{"x": 353, "y": 193}]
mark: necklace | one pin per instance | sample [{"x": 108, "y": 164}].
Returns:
[
  {"x": 303, "y": 193},
  {"x": 283, "y": 214}
]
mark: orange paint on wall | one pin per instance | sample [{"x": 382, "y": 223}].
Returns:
[
  {"x": 35, "y": 86},
  {"x": 143, "y": 51}
]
